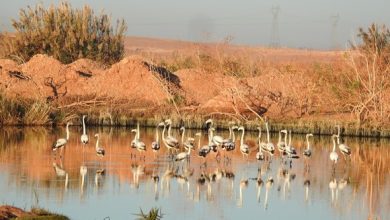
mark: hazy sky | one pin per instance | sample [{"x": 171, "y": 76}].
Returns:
[{"x": 302, "y": 23}]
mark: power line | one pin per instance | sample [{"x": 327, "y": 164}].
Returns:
[
  {"x": 275, "y": 41},
  {"x": 334, "y": 21}
]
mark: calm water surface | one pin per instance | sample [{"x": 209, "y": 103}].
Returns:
[{"x": 31, "y": 175}]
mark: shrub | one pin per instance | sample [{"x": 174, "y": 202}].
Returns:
[{"x": 65, "y": 33}]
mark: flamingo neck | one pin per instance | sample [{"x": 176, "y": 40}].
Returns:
[
  {"x": 289, "y": 138},
  {"x": 285, "y": 139},
  {"x": 97, "y": 143},
  {"x": 169, "y": 129},
  {"x": 234, "y": 136},
  {"x": 334, "y": 145},
  {"x": 84, "y": 132},
  {"x": 210, "y": 135},
  {"x": 157, "y": 136},
  {"x": 242, "y": 137},
  {"x": 163, "y": 133},
  {"x": 338, "y": 134},
  {"x": 137, "y": 134},
  {"x": 230, "y": 132},
  {"x": 199, "y": 142},
  {"x": 67, "y": 131},
  {"x": 259, "y": 134},
  {"x": 182, "y": 135},
  {"x": 189, "y": 150},
  {"x": 266, "y": 126},
  {"x": 308, "y": 143},
  {"x": 135, "y": 137},
  {"x": 280, "y": 136}
]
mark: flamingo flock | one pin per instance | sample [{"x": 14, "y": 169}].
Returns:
[{"x": 180, "y": 151}]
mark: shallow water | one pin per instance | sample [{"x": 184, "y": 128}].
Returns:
[{"x": 32, "y": 175}]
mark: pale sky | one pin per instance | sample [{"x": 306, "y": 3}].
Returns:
[{"x": 301, "y": 23}]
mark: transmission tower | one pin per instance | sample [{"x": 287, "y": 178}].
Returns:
[
  {"x": 275, "y": 42},
  {"x": 334, "y": 21}
]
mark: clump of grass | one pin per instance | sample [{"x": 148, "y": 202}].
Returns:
[
  {"x": 45, "y": 214},
  {"x": 37, "y": 113},
  {"x": 11, "y": 110},
  {"x": 153, "y": 214},
  {"x": 65, "y": 33}
]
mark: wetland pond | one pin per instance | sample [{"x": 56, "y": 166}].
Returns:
[{"x": 32, "y": 175}]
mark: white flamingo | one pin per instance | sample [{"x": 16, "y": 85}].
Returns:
[
  {"x": 281, "y": 144},
  {"x": 183, "y": 155},
  {"x": 99, "y": 149},
  {"x": 290, "y": 150},
  {"x": 205, "y": 149},
  {"x": 170, "y": 140},
  {"x": 244, "y": 148},
  {"x": 139, "y": 145},
  {"x": 84, "y": 137},
  {"x": 333, "y": 155},
  {"x": 218, "y": 140},
  {"x": 229, "y": 144},
  {"x": 307, "y": 152},
  {"x": 189, "y": 143},
  {"x": 270, "y": 148},
  {"x": 344, "y": 149},
  {"x": 259, "y": 154},
  {"x": 60, "y": 143},
  {"x": 170, "y": 143},
  {"x": 156, "y": 144}
]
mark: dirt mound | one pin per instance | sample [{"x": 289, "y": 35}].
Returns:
[
  {"x": 132, "y": 79},
  {"x": 200, "y": 87},
  {"x": 86, "y": 68}
]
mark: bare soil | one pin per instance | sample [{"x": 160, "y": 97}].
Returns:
[{"x": 138, "y": 82}]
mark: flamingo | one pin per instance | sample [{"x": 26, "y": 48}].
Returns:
[
  {"x": 84, "y": 137},
  {"x": 269, "y": 147},
  {"x": 281, "y": 144},
  {"x": 183, "y": 155},
  {"x": 244, "y": 148},
  {"x": 333, "y": 155},
  {"x": 170, "y": 140},
  {"x": 217, "y": 140},
  {"x": 139, "y": 145},
  {"x": 229, "y": 141},
  {"x": 170, "y": 143},
  {"x": 60, "y": 143},
  {"x": 290, "y": 150},
  {"x": 99, "y": 149},
  {"x": 307, "y": 152},
  {"x": 259, "y": 154},
  {"x": 344, "y": 149},
  {"x": 156, "y": 143},
  {"x": 190, "y": 141},
  {"x": 205, "y": 149}
]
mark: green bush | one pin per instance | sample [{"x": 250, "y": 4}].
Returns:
[{"x": 65, "y": 33}]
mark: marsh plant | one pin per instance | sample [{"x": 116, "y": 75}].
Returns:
[
  {"x": 153, "y": 214},
  {"x": 65, "y": 33}
]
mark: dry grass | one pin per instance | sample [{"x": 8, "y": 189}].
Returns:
[{"x": 65, "y": 33}]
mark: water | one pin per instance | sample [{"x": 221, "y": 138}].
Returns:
[{"x": 29, "y": 178}]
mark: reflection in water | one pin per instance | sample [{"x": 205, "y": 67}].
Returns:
[{"x": 355, "y": 187}]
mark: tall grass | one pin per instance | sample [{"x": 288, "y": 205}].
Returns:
[
  {"x": 65, "y": 33},
  {"x": 37, "y": 113}
]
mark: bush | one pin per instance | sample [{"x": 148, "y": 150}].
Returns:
[{"x": 65, "y": 33}]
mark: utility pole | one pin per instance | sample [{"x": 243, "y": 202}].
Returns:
[
  {"x": 334, "y": 21},
  {"x": 275, "y": 41}
]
